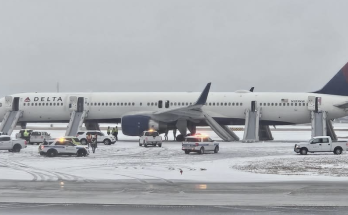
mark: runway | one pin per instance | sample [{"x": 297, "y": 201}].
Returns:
[
  {"x": 178, "y": 193},
  {"x": 52, "y": 209}
]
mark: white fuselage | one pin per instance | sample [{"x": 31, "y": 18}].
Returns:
[{"x": 54, "y": 107}]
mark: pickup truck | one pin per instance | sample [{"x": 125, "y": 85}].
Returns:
[
  {"x": 199, "y": 143},
  {"x": 321, "y": 144},
  {"x": 12, "y": 145},
  {"x": 150, "y": 138}
]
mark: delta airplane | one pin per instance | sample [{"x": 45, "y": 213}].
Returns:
[{"x": 183, "y": 110}]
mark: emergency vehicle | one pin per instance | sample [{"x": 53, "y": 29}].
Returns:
[
  {"x": 62, "y": 147},
  {"x": 150, "y": 137},
  {"x": 199, "y": 143}
]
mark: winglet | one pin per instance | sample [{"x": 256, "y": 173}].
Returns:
[
  {"x": 203, "y": 97},
  {"x": 252, "y": 89}
]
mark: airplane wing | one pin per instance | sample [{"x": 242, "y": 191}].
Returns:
[{"x": 191, "y": 111}]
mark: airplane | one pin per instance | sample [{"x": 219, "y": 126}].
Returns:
[{"x": 163, "y": 111}]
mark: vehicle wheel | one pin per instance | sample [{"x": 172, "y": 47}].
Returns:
[
  {"x": 187, "y": 152},
  {"x": 140, "y": 144},
  {"x": 303, "y": 151},
  {"x": 16, "y": 148},
  {"x": 83, "y": 142},
  {"x": 216, "y": 150},
  {"x": 159, "y": 145},
  {"x": 51, "y": 153},
  {"x": 201, "y": 151},
  {"x": 145, "y": 145},
  {"x": 338, "y": 151},
  {"x": 107, "y": 142},
  {"x": 41, "y": 153},
  {"x": 81, "y": 153}
]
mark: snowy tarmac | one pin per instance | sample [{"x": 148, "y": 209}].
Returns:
[{"x": 249, "y": 174}]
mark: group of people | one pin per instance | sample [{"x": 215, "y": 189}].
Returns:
[
  {"x": 92, "y": 140},
  {"x": 113, "y": 131}
]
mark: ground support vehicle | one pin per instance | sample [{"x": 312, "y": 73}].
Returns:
[
  {"x": 150, "y": 138},
  {"x": 102, "y": 138},
  {"x": 6, "y": 143},
  {"x": 200, "y": 144},
  {"x": 321, "y": 144}
]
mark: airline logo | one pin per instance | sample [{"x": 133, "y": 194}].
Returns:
[{"x": 27, "y": 99}]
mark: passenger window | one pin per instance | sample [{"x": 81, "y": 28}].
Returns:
[
  {"x": 125, "y": 104},
  {"x": 229, "y": 104},
  {"x": 141, "y": 104},
  {"x": 106, "y": 104},
  {"x": 237, "y": 104},
  {"x": 268, "y": 104},
  {"x": 217, "y": 104},
  {"x": 276, "y": 104},
  {"x": 272, "y": 104},
  {"x": 325, "y": 140}
]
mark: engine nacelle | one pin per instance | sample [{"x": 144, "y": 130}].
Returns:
[{"x": 134, "y": 125}]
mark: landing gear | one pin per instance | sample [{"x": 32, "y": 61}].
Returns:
[{"x": 180, "y": 138}]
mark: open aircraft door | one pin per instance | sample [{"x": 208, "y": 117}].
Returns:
[
  {"x": 76, "y": 103},
  {"x": 8, "y": 103},
  {"x": 253, "y": 106},
  {"x": 314, "y": 103}
]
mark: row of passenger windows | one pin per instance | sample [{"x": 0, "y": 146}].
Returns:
[
  {"x": 155, "y": 104},
  {"x": 172, "y": 104},
  {"x": 284, "y": 104},
  {"x": 43, "y": 104}
]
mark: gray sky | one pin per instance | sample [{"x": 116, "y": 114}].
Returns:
[{"x": 163, "y": 45}]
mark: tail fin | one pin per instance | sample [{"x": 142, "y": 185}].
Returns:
[{"x": 338, "y": 85}]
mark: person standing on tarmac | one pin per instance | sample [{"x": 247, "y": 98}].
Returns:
[
  {"x": 116, "y": 133},
  {"x": 94, "y": 143},
  {"x": 26, "y": 135},
  {"x": 108, "y": 131},
  {"x": 89, "y": 140},
  {"x": 174, "y": 133}
]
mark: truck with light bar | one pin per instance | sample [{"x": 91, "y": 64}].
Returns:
[
  {"x": 199, "y": 143},
  {"x": 150, "y": 137}
]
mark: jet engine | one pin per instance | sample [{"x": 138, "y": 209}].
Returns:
[{"x": 134, "y": 125}]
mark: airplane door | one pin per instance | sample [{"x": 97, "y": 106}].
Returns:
[
  {"x": 15, "y": 104},
  {"x": 160, "y": 104},
  {"x": 317, "y": 104},
  {"x": 311, "y": 103},
  {"x": 253, "y": 106},
  {"x": 80, "y": 102}
]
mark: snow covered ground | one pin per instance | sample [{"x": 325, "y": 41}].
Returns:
[{"x": 236, "y": 162}]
